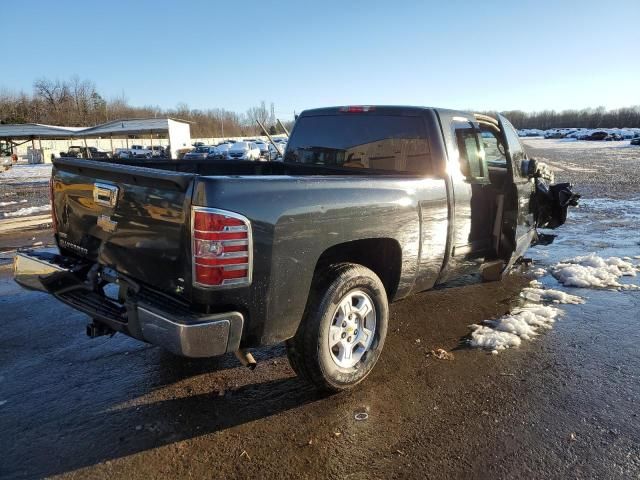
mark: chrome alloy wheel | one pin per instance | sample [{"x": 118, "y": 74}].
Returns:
[{"x": 353, "y": 328}]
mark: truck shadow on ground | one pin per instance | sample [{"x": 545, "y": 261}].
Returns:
[{"x": 88, "y": 436}]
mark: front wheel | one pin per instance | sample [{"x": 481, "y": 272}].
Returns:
[{"x": 343, "y": 330}]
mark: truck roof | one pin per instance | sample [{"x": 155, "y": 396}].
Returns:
[{"x": 373, "y": 109}]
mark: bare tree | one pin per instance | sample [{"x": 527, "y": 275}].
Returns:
[{"x": 259, "y": 113}]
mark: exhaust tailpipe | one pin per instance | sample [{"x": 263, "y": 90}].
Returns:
[{"x": 246, "y": 359}]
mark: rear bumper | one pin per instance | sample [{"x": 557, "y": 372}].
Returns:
[{"x": 145, "y": 315}]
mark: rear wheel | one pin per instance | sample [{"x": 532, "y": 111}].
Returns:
[{"x": 342, "y": 333}]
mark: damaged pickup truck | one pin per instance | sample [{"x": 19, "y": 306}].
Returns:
[{"x": 370, "y": 205}]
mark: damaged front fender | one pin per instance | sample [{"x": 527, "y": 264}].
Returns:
[{"x": 550, "y": 203}]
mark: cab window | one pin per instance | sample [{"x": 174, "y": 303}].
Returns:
[{"x": 392, "y": 143}]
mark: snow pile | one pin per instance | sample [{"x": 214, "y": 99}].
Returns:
[
  {"x": 27, "y": 211},
  {"x": 592, "y": 271},
  {"x": 523, "y": 323},
  {"x": 539, "y": 295},
  {"x": 508, "y": 331},
  {"x": 539, "y": 272},
  {"x": 6, "y": 204}
]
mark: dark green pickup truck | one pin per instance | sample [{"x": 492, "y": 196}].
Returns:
[{"x": 369, "y": 205}]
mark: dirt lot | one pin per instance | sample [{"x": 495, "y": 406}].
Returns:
[{"x": 564, "y": 405}]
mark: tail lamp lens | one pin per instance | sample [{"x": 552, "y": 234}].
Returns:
[{"x": 221, "y": 248}]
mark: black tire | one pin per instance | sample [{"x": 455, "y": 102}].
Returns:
[{"x": 309, "y": 352}]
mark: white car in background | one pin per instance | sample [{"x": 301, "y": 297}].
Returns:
[
  {"x": 264, "y": 148},
  {"x": 244, "y": 151},
  {"x": 276, "y": 153},
  {"x": 219, "y": 152},
  {"x": 135, "y": 151}
]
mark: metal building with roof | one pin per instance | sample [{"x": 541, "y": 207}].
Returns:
[{"x": 178, "y": 132}]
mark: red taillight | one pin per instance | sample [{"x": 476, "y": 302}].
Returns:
[
  {"x": 357, "y": 108},
  {"x": 221, "y": 246},
  {"x": 54, "y": 221}
]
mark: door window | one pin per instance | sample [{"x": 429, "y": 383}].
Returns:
[
  {"x": 471, "y": 153},
  {"x": 493, "y": 150},
  {"x": 515, "y": 147}
]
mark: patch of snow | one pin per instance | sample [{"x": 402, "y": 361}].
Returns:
[
  {"x": 539, "y": 272},
  {"x": 523, "y": 323},
  {"x": 508, "y": 331},
  {"x": 6, "y": 204},
  {"x": 539, "y": 295},
  {"x": 592, "y": 271},
  {"x": 27, "y": 211}
]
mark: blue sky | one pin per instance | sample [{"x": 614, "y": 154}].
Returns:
[{"x": 480, "y": 55}]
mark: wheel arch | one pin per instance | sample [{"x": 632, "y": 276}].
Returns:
[{"x": 383, "y": 256}]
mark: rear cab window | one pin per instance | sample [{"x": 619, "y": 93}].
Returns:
[{"x": 391, "y": 143}]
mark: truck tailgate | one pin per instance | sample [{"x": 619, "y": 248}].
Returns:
[{"x": 133, "y": 219}]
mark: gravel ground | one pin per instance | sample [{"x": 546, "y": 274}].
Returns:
[{"x": 563, "y": 406}]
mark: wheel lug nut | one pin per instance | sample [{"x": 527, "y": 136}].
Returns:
[
  {"x": 355, "y": 332},
  {"x": 344, "y": 324},
  {"x": 349, "y": 339},
  {"x": 344, "y": 334}
]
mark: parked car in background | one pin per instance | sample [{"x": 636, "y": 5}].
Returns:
[
  {"x": 244, "y": 151},
  {"x": 556, "y": 134},
  {"x": 219, "y": 152},
  {"x": 264, "y": 149},
  {"x": 85, "y": 152},
  {"x": 599, "y": 135},
  {"x": 276, "y": 153},
  {"x": 199, "y": 153},
  {"x": 635, "y": 141},
  {"x": 613, "y": 137},
  {"x": 158, "y": 151},
  {"x": 134, "y": 151}
]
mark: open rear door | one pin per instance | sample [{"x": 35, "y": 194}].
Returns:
[{"x": 520, "y": 222}]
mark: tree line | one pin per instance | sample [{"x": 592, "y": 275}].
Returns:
[
  {"x": 600, "y": 117},
  {"x": 77, "y": 103}
]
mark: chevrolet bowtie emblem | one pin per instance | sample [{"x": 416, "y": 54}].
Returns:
[{"x": 108, "y": 225}]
